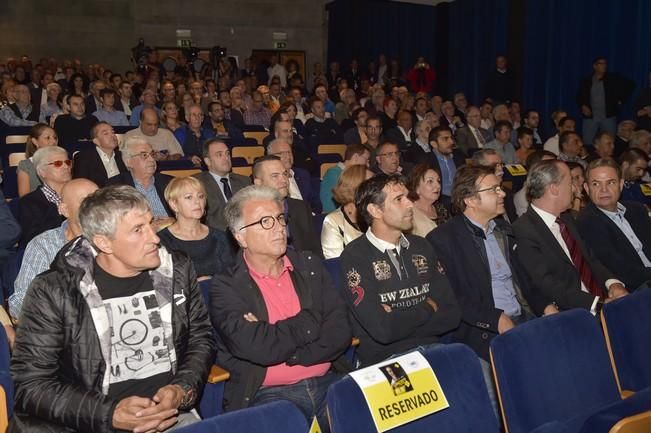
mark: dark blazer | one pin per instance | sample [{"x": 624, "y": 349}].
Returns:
[
  {"x": 465, "y": 139},
  {"x": 301, "y": 233},
  {"x": 160, "y": 182},
  {"x": 89, "y": 165},
  {"x": 320, "y": 332},
  {"x": 617, "y": 90},
  {"x": 550, "y": 273},
  {"x": 611, "y": 245},
  {"x": 459, "y": 244},
  {"x": 215, "y": 198},
  {"x": 91, "y": 105},
  {"x": 36, "y": 215},
  {"x": 304, "y": 182},
  {"x": 395, "y": 136},
  {"x": 10, "y": 232}
]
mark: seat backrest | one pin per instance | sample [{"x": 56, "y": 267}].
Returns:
[
  {"x": 332, "y": 148},
  {"x": 627, "y": 325},
  {"x": 277, "y": 417},
  {"x": 259, "y": 136},
  {"x": 182, "y": 173},
  {"x": 16, "y": 139},
  {"x": 250, "y": 153},
  {"x": 457, "y": 368},
  {"x": 15, "y": 158},
  {"x": 552, "y": 368},
  {"x": 243, "y": 171}
]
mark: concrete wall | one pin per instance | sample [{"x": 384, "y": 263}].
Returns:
[{"x": 103, "y": 31}]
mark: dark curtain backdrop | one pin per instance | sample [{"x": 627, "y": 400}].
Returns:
[
  {"x": 551, "y": 43},
  {"x": 562, "y": 37}
]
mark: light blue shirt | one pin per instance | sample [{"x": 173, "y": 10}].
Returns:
[
  {"x": 505, "y": 151},
  {"x": 150, "y": 193},
  {"x": 39, "y": 254},
  {"x": 622, "y": 223},
  {"x": 448, "y": 170},
  {"x": 501, "y": 276},
  {"x": 113, "y": 118}
]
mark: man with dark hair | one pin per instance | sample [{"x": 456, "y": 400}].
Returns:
[
  {"x": 107, "y": 112},
  {"x": 532, "y": 121},
  {"x": 373, "y": 135},
  {"x": 219, "y": 181},
  {"x": 634, "y": 163},
  {"x": 570, "y": 146},
  {"x": 125, "y": 343},
  {"x": 270, "y": 171},
  {"x": 559, "y": 266},
  {"x": 319, "y": 128},
  {"x": 565, "y": 124},
  {"x": 502, "y": 142},
  {"x": 618, "y": 232},
  {"x": 524, "y": 139},
  {"x": 104, "y": 161},
  {"x": 600, "y": 98},
  {"x": 398, "y": 292},
  {"x": 282, "y": 327},
  {"x": 402, "y": 134},
  {"x": 387, "y": 159},
  {"x": 357, "y": 135},
  {"x": 604, "y": 146},
  {"x": 442, "y": 141},
  {"x": 220, "y": 126},
  {"x": 75, "y": 126}
]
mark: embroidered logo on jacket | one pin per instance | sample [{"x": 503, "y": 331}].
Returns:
[{"x": 382, "y": 270}]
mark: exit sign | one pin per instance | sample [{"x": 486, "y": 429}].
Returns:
[{"x": 280, "y": 45}]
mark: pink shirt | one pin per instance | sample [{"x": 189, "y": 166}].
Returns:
[{"x": 282, "y": 302}]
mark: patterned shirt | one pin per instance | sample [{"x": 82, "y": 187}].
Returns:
[
  {"x": 150, "y": 193},
  {"x": 50, "y": 194}
]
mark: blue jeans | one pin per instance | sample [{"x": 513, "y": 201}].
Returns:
[
  {"x": 308, "y": 395},
  {"x": 591, "y": 127}
]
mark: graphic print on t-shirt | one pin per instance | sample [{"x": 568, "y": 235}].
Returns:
[{"x": 138, "y": 349}]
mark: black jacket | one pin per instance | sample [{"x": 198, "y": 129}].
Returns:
[
  {"x": 58, "y": 366},
  {"x": 460, "y": 246},
  {"x": 36, "y": 214},
  {"x": 372, "y": 280},
  {"x": 160, "y": 182},
  {"x": 300, "y": 228},
  {"x": 616, "y": 88},
  {"x": 549, "y": 272},
  {"x": 89, "y": 165},
  {"x": 611, "y": 246},
  {"x": 320, "y": 332}
]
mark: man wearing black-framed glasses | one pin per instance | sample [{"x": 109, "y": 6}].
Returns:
[{"x": 281, "y": 325}]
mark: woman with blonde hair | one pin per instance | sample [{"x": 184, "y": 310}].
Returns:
[
  {"x": 341, "y": 226},
  {"x": 41, "y": 135},
  {"x": 207, "y": 247}
]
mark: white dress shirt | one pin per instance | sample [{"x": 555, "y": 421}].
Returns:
[
  {"x": 110, "y": 165},
  {"x": 294, "y": 190}
]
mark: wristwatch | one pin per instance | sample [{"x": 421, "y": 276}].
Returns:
[{"x": 188, "y": 396}]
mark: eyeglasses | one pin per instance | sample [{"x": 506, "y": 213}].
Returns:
[
  {"x": 495, "y": 189},
  {"x": 144, "y": 155},
  {"x": 59, "y": 163},
  {"x": 268, "y": 222}
]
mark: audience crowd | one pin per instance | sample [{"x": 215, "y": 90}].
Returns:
[{"x": 449, "y": 220}]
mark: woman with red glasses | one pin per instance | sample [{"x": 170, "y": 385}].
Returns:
[{"x": 39, "y": 210}]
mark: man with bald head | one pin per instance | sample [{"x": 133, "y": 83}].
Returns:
[
  {"x": 161, "y": 140},
  {"x": 41, "y": 250}
]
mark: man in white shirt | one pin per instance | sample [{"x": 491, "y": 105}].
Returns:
[
  {"x": 566, "y": 124},
  {"x": 551, "y": 251},
  {"x": 162, "y": 140},
  {"x": 277, "y": 70}
]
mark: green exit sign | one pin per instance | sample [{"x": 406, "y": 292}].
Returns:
[{"x": 280, "y": 45}]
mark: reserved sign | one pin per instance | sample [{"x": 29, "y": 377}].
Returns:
[
  {"x": 400, "y": 390},
  {"x": 516, "y": 169}
]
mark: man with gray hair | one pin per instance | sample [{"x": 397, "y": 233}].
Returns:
[
  {"x": 282, "y": 327},
  {"x": 139, "y": 158},
  {"x": 553, "y": 256},
  {"x": 116, "y": 337}
]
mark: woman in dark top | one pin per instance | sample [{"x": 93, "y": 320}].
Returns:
[{"x": 208, "y": 248}]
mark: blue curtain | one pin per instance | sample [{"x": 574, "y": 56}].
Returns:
[{"x": 562, "y": 38}]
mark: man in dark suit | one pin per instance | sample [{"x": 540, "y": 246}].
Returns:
[
  {"x": 619, "y": 233},
  {"x": 403, "y": 134},
  {"x": 300, "y": 182},
  {"x": 104, "y": 161},
  {"x": 219, "y": 182},
  {"x": 553, "y": 256},
  {"x": 138, "y": 157},
  {"x": 93, "y": 101},
  {"x": 472, "y": 136},
  {"x": 219, "y": 125},
  {"x": 270, "y": 171},
  {"x": 490, "y": 296}
]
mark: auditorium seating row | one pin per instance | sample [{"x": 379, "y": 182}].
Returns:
[{"x": 555, "y": 374}]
